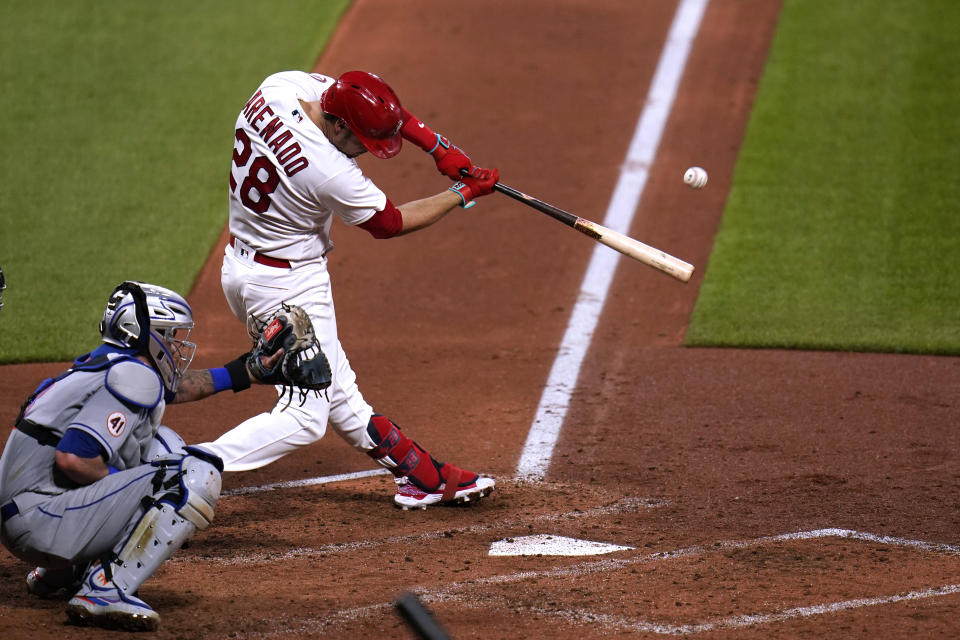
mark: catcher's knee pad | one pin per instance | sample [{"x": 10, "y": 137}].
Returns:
[
  {"x": 190, "y": 483},
  {"x": 166, "y": 441},
  {"x": 200, "y": 482},
  {"x": 401, "y": 455}
]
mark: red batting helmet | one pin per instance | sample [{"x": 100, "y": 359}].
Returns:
[{"x": 370, "y": 108}]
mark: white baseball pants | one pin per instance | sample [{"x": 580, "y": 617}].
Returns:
[{"x": 255, "y": 289}]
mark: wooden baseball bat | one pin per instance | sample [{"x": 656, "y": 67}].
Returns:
[
  {"x": 419, "y": 617},
  {"x": 617, "y": 241}
]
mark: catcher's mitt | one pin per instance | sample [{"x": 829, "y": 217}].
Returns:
[{"x": 303, "y": 365}]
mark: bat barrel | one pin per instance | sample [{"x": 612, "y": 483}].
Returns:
[{"x": 626, "y": 245}]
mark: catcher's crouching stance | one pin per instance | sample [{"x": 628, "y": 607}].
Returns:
[
  {"x": 94, "y": 490},
  {"x": 422, "y": 480}
]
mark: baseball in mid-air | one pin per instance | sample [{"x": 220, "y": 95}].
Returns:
[{"x": 695, "y": 177}]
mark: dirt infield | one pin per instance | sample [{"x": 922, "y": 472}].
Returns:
[{"x": 758, "y": 493}]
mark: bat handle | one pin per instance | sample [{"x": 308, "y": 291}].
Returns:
[{"x": 502, "y": 188}]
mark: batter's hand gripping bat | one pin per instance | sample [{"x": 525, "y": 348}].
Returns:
[{"x": 624, "y": 244}]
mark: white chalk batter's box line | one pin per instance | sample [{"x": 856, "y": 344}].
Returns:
[
  {"x": 469, "y": 593},
  {"x": 307, "y": 482},
  {"x": 624, "y": 505}
]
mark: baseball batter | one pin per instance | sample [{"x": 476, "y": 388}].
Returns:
[
  {"x": 93, "y": 489},
  {"x": 293, "y": 171}
]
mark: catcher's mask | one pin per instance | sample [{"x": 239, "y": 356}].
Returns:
[
  {"x": 156, "y": 322},
  {"x": 370, "y": 109}
]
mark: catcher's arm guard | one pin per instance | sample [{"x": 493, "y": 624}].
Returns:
[{"x": 303, "y": 364}]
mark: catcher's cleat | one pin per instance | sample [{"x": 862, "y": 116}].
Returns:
[
  {"x": 54, "y": 584},
  {"x": 458, "y": 487},
  {"x": 100, "y": 603}
]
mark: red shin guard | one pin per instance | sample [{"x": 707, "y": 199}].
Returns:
[{"x": 401, "y": 455}]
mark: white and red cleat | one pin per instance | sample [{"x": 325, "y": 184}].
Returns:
[{"x": 458, "y": 486}]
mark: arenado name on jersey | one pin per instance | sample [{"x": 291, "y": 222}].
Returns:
[{"x": 286, "y": 149}]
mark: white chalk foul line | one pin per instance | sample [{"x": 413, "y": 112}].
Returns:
[
  {"x": 555, "y": 399},
  {"x": 470, "y": 592}
]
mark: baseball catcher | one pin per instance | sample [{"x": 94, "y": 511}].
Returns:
[
  {"x": 302, "y": 366},
  {"x": 94, "y": 489}
]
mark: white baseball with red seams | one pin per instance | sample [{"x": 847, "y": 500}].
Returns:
[{"x": 695, "y": 177}]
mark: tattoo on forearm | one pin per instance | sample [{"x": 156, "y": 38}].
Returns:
[{"x": 194, "y": 386}]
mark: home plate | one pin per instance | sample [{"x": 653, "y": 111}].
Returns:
[{"x": 545, "y": 545}]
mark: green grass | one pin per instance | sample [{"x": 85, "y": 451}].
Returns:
[
  {"x": 117, "y": 129},
  {"x": 842, "y": 228}
]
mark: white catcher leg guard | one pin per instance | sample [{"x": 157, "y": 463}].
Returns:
[
  {"x": 185, "y": 502},
  {"x": 168, "y": 524},
  {"x": 166, "y": 441}
]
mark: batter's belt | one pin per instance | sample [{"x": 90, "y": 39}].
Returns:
[{"x": 279, "y": 263}]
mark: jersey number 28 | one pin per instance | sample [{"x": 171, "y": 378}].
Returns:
[{"x": 261, "y": 179}]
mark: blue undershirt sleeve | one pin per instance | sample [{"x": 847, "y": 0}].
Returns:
[{"x": 80, "y": 444}]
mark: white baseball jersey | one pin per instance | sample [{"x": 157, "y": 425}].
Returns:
[
  {"x": 276, "y": 143},
  {"x": 286, "y": 183}
]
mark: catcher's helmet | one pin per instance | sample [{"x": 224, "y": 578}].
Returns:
[
  {"x": 370, "y": 108},
  {"x": 154, "y": 320}
]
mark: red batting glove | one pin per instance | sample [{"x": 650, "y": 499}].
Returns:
[
  {"x": 450, "y": 158},
  {"x": 477, "y": 182}
]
